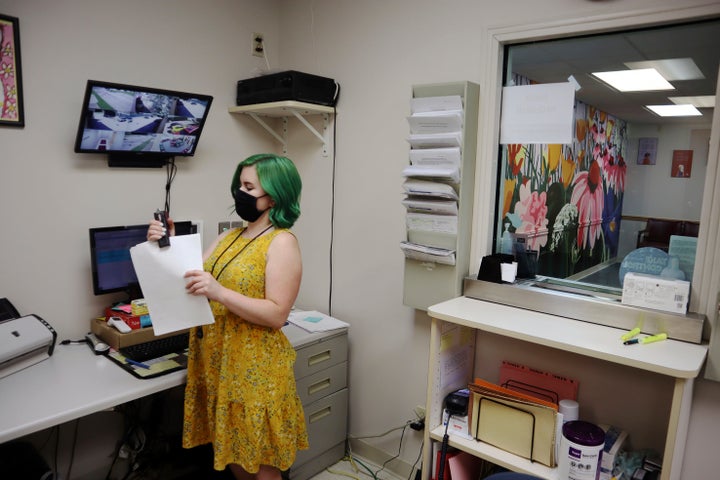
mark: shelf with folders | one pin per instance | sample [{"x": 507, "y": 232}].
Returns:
[{"x": 438, "y": 191}]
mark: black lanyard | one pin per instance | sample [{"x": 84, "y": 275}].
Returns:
[{"x": 212, "y": 270}]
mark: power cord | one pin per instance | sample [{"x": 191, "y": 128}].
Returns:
[
  {"x": 375, "y": 474},
  {"x": 171, "y": 171}
]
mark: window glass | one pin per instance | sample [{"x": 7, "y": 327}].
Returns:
[{"x": 625, "y": 194}]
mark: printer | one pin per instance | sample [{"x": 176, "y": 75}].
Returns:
[{"x": 24, "y": 341}]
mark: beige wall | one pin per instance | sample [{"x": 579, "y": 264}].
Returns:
[{"x": 50, "y": 196}]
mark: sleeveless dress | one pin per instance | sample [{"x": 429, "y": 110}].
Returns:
[{"x": 241, "y": 394}]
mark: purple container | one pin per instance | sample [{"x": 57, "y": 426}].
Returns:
[{"x": 580, "y": 451}]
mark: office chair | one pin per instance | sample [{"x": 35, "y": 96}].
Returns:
[{"x": 511, "y": 476}]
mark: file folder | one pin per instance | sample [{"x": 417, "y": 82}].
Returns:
[{"x": 514, "y": 422}]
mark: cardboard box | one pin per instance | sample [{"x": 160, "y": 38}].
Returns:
[
  {"x": 117, "y": 340},
  {"x": 650, "y": 291}
]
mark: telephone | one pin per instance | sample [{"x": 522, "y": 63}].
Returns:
[{"x": 7, "y": 310}]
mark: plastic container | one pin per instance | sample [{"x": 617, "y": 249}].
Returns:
[
  {"x": 570, "y": 410},
  {"x": 580, "y": 452}
]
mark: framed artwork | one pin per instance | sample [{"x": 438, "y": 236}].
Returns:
[
  {"x": 681, "y": 163},
  {"x": 647, "y": 151},
  {"x": 11, "y": 98}
]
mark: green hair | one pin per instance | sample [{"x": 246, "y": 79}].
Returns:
[{"x": 281, "y": 180}]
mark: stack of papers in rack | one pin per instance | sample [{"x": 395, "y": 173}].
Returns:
[
  {"x": 432, "y": 223},
  {"x": 432, "y": 157},
  {"x": 436, "y": 122},
  {"x": 314, "y": 321},
  {"x": 436, "y": 104},
  {"x": 435, "y": 140},
  {"x": 440, "y": 207},
  {"x": 436, "y": 125},
  {"x": 425, "y": 253},
  {"x": 443, "y": 172},
  {"x": 514, "y": 422},
  {"x": 426, "y": 188}
]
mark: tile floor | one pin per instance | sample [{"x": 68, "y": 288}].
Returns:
[{"x": 357, "y": 470}]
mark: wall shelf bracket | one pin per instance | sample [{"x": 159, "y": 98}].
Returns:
[{"x": 286, "y": 109}]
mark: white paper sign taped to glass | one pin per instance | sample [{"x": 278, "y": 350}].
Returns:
[
  {"x": 541, "y": 113},
  {"x": 160, "y": 272}
]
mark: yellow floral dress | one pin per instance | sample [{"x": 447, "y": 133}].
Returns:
[{"x": 241, "y": 394}]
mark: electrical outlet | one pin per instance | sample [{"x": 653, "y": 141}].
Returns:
[
  {"x": 419, "y": 411},
  {"x": 258, "y": 45}
]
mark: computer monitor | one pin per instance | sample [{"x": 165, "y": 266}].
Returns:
[{"x": 112, "y": 268}]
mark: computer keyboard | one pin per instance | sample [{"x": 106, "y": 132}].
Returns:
[{"x": 156, "y": 348}]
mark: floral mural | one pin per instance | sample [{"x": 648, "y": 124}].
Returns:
[{"x": 566, "y": 200}]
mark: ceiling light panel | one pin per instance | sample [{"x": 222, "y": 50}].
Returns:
[
  {"x": 643, "y": 80},
  {"x": 674, "y": 110}
]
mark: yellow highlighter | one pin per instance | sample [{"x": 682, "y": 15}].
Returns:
[
  {"x": 653, "y": 338},
  {"x": 630, "y": 334}
]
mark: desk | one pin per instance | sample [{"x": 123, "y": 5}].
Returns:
[
  {"x": 72, "y": 383},
  {"x": 75, "y": 382}
]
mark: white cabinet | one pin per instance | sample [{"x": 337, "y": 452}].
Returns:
[
  {"x": 321, "y": 375},
  {"x": 458, "y": 323}
]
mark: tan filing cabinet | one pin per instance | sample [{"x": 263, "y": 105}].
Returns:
[{"x": 321, "y": 375}]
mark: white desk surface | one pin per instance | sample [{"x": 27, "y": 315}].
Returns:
[
  {"x": 669, "y": 357},
  {"x": 70, "y": 384}
]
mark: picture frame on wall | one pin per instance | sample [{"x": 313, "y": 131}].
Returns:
[
  {"x": 647, "y": 151},
  {"x": 12, "y": 112},
  {"x": 681, "y": 164}
]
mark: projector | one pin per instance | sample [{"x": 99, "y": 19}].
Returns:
[{"x": 289, "y": 85}]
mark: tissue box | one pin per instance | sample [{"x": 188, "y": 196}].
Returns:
[
  {"x": 650, "y": 291},
  {"x": 614, "y": 440}
]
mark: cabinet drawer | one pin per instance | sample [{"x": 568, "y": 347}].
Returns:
[
  {"x": 314, "y": 387},
  {"x": 326, "y": 421},
  {"x": 321, "y": 355}
]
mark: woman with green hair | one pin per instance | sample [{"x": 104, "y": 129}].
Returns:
[{"x": 241, "y": 396}]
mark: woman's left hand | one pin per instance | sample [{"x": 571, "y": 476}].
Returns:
[{"x": 200, "y": 282}]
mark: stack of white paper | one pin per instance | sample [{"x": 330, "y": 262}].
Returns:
[
  {"x": 431, "y": 205},
  {"x": 442, "y": 172},
  {"x": 426, "y": 188},
  {"x": 436, "y": 104},
  {"x": 428, "y": 254},
  {"x": 431, "y": 201},
  {"x": 435, "y": 140},
  {"x": 432, "y": 223}
]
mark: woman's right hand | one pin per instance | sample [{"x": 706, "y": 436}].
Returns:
[{"x": 156, "y": 230}]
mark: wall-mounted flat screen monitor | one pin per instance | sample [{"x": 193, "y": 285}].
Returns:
[{"x": 140, "y": 126}]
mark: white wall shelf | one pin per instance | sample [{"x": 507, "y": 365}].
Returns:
[
  {"x": 284, "y": 110},
  {"x": 677, "y": 360}
]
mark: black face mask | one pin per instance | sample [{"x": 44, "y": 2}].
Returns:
[{"x": 246, "y": 205}]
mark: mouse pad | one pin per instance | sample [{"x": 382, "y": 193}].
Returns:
[{"x": 156, "y": 367}]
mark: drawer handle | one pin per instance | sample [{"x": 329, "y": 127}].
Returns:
[
  {"x": 317, "y": 386},
  {"x": 319, "y": 357},
  {"x": 314, "y": 417}
]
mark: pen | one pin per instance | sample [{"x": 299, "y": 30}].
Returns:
[
  {"x": 630, "y": 334},
  {"x": 137, "y": 364},
  {"x": 653, "y": 338}
]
